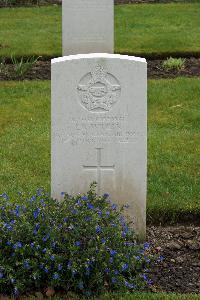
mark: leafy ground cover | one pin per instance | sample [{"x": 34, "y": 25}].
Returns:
[
  {"x": 147, "y": 29},
  {"x": 172, "y": 141}
]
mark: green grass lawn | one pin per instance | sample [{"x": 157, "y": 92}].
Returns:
[
  {"x": 146, "y": 30},
  {"x": 150, "y": 296},
  {"x": 172, "y": 142},
  {"x": 138, "y": 296}
]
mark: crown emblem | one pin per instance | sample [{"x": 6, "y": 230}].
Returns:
[{"x": 98, "y": 90}]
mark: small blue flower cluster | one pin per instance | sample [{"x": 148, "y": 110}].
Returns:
[{"x": 82, "y": 243}]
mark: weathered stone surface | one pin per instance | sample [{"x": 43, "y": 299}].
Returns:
[
  {"x": 99, "y": 129},
  {"x": 87, "y": 26}
]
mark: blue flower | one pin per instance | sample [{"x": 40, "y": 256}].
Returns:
[
  {"x": 90, "y": 206},
  {"x": 144, "y": 276},
  {"x": 113, "y": 252},
  {"x": 60, "y": 267},
  {"x": 52, "y": 257},
  {"x": 8, "y": 243},
  {"x": 98, "y": 229},
  {"x": 146, "y": 246},
  {"x": 106, "y": 195},
  {"x": 77, "y": 243},
  {"x": 103, "y": 241},
  {"x": 84, "y": 198},
  {"x": 147, "y": 259},
  {"x": 33, "y": 198},
  {"x": 56, "y": 276},
  {"x": 124, "y": 234},
  {"x": 17, "y": 245},
  {"x": 87, "y": 269},
  {"x": 37, "y": 226},
  {"x": 16, "y": 211},
  {"x": 46, "y": 270},
  {"x": 44, "y": 250},
  {"x": 161, "y": 258},
  {"x": 114, "y": 206},
  {"x": 8, "y": 226},
  {"x": 53, "y": 244},
  {"x": 39, "y": 191},
  {"x": 129, "y": 285},
  {"x": 126, "y": 206},
  {"x": 32, "y": 245},
  {"x": 124, "y": 267},
  {"x": 42, "y": 202},
  {"x": 107, "y": 213},
  {"x": 26, "y": 264},
  {"x": 129, "y": 244},
  {"x": 1, "y": 275},
  {"x": 149, "y": 282},
  {"x": 46, "y": 237},
  {"x": 69, "y": 264},
  {"x": 5, "y": 196},
  {"x": 88, "y": 218},
  {"x": 107, "y": 270},
  {"x": 36, "y": 213},
  {"x": 99, "y": 212},
  {"x": 114, "y": 280}
]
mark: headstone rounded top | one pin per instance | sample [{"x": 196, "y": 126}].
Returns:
[{"x": 97, "y": 55}]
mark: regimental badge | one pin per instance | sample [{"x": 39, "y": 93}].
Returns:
[{"x": 99, "y": 90}]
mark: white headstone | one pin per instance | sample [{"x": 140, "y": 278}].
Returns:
[
  {"x": 99, "y": 123},
  {"x": 87, "y": 26}
]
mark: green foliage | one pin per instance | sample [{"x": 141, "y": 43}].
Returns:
[
  {"x": 81, "y": 243},
  {"x": 174, "y": 63},
  {"x": 23, "y": 66}
]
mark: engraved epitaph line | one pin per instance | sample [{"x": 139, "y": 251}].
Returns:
[{"x": 99, "y": 167}]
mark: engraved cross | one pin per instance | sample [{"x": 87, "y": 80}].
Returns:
[{"x": 99, "y": 167}]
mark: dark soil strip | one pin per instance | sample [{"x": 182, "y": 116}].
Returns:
[
  {"x": 42, "y": 70},
  {"x": 180, "y": 270},
  {"x": 156, "y": 70}
]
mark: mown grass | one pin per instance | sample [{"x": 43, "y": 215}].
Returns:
[
  {"x": 173, "y": 139},
  {"x": 157, "y": 29},
  {"x": 145, "y": 30},
  {"x": 133, "y": 296},
  {"x": 149, "y": 296}
]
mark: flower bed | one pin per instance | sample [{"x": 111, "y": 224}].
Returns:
[{"x": 81, "y": 244}]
